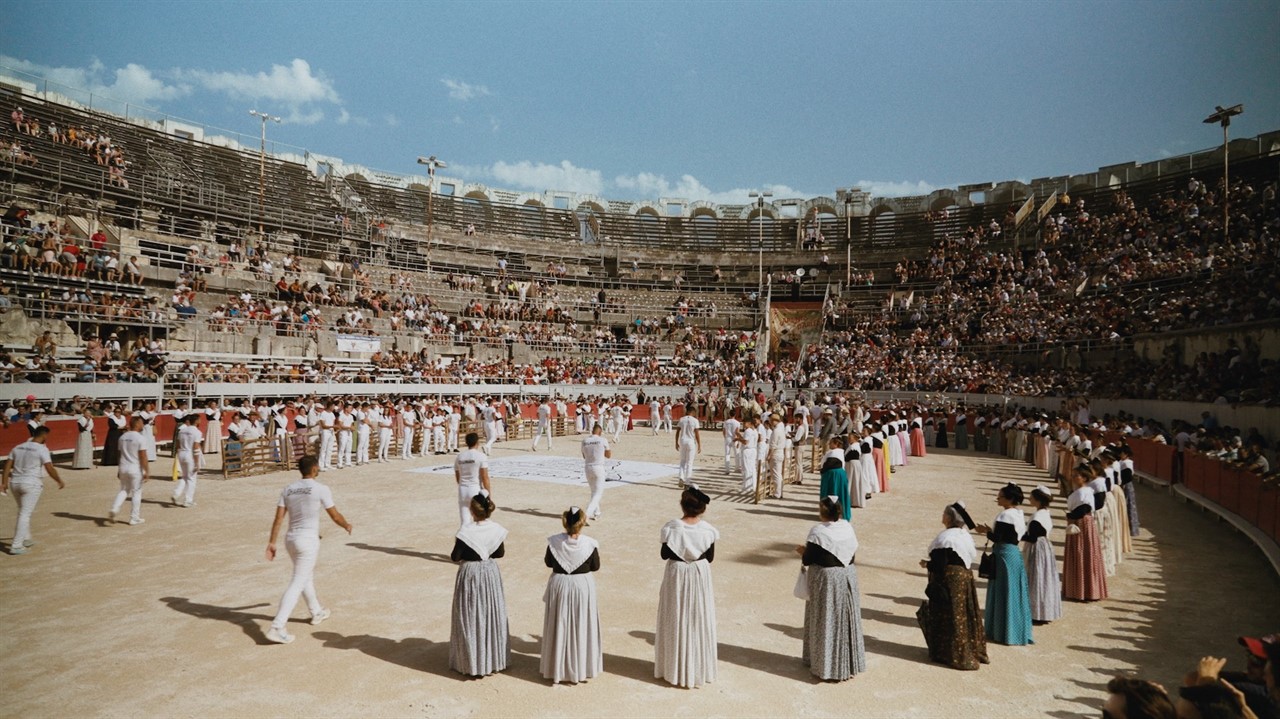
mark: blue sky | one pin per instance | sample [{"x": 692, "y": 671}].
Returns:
[{"x": 696, "y": 100}]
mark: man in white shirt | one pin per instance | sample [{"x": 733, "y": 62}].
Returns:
[
  {"x": 384, "y": 418},
  {"x": 655, "y": 414},
  {"x": 688, "y": 440},
  {"x": 471, "y": 472},
  {"x": 777, "y": 457},
  {"x": 327, "y": 419},
  {"x": 408, "y": 420},
  {"x": 437, "y": 430},
  {"x": 619, "y": 424},
  {"x": 544, "y": 424},
  {"x": 302, "y": 502},
  {"x": 732, "y": 457},
  {"x": 490, "y": 411},
  {"x": 133, "y": 470},
  {"x": 595, "y": 450},
  {"x": 364, "y": 424},
  {"x": 188, "y": 445},
  {"x": 24, "y": 472},
  {"x": 667, "y": 408},
  {"x": 749, "y": 439},
  {"x": 346, "y": 422},
  {"x": 454, "y": 423}
]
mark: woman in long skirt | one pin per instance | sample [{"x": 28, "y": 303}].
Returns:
[
  {"x": 834, "y": 481},
  {"x": 962, "y": 430},
  {"x": 951, "y": 618},
  {"x": 917, "y": 439},
  {"x": 930, "y": 434},
  {"x": 1129, "y": 488},
  {"x": 940, "y": 439},
  {"x": 571, "y": 623},
  {"x": 111, "y": 445},
  {"x": 904, "y": 441},
  {"x": 870, "y": 476},
  {"x": 1103, "y": 516},
  {"x": 996, "y": 443},
  {"x": 980, "y": 434},
  {"x": 881, "y": 462},
  {"x": 212, "y": 428},
  {"x": 1042, "y": 567},
  {"x": 1084, "y": 578},
  {"x": 1008, "y": 607},
  {"x": 83, "y": 458},
  {"x": 833, "y": 647},
  {"x": 685, "y": 643},
  {"x": 859, "y": 492},
  {"x": 479, "y": 642},
  {"x": 1115, "y": 496}
]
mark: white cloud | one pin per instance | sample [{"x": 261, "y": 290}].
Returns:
[
  {"x": 300, "y": 116},
  {"x": 459, "y": 90},
  {"x": 131, "y": 83},
  {"x": 343, "y": 116},
  {"x": 391, "y": 119},
  {"x": 649, "y": 186},
  {"x": 537, "y": 176},
  {"x": 293, "y": 84},
  {"x": 494, "y": 123},
  {"x": 889, "y": 188}
]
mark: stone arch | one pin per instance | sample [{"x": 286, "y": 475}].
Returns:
[
  {"x": 944, "y": 199},
  {"x": 477, "y": 209},
  {"x": 704, "y": 209},
  {"x": 884, "y": 223}
]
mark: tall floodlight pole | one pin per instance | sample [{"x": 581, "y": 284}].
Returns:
[
  {"x": 432, "y": 163},
  {"x": 760, "y": 198},
  {"x": 1222, "y": 116},
  {"x": 262, "y": 166}
]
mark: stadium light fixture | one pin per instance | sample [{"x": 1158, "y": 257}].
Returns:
[
  {"x": 1222, "y": 116},
  {"x": 262, "y": 167},
  {"x": 432, "y": 163},
  {"x": 761, "y": 198}
]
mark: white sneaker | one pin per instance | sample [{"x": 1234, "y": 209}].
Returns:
[
  {"x": 188, "y": 503},
  {"x": 27, "y": 543},
  {"x": 16, "y": 550},
  {"x": 111, "y": 516},
  {"x": 136, "y": 522},
  {"x": 176, "y": 500},
  {"x": 278, "y": 636},
  {"x": 320, "y": 616}
]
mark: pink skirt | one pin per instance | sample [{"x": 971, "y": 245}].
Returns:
[
  {"x": 917, "y": 443},
  {"x": 1083, "y": 576}
]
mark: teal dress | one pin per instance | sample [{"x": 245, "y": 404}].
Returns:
[
  {"x": 1008, "y": 609},
  {"x": 835, "y": 483}
]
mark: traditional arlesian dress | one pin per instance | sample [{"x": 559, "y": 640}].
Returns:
[
  {"x": 1042, "y": 568},
  {"x": 833, "y": 646},
  {"x": 571, "y": 649},
  {"x": 213, "y": 430},
  {"x": 1130, "y": 490},
  {"x": 877, "y": 456},
  {"x": 904, "y": 441},
  {"x": 685, "y": 643},
  {"x": 478, "y": 639},
  {"x": 859, "y": 492},
  {"x": 951, "y": 618},
  {"x": 1008, "y": 607},
  {"x": 834, "y": 481},
  {"x": 894, "y": 445},
  {"x": 83, "y": 458},
  {"x": 870, "y": 476},
  {"x": 980, "y": 436},
  {"x": 940, "y": 436},
  {"x": 1116, "y": 498},
  {"x": 930, "y": 434},
  {"x": 917, "y": 439},
  {"x": 116, "y": 424},
  {"x": 1106, "y": 528},
  {"x": 962, "y": 431},
  {"x": 1083, "y": 574}
]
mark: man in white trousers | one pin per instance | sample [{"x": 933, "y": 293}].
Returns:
[
  {"x": 544, "y": 424},
  {"x": 455, "y": 421},
  {"x": 188, "y": 443},
  {"x": 24, "y": 473},
  {"x": 364, "y": 425},
  {"x": 749, "y": 440},
  {"x": 471, "y": 472},
  {"x": 385, "y": 418},
  {"x": 655, "y": 414},
  {"x": 595, "y": 450},
  {"x": 688, "y": 440},
  {"x": 619, "y": 422},
  {"x": 327, "y": 419},
  {"x": 777, "y": 458},
  {"x": 346, "y": 422},
  {"x": 732, "y": 451},
  {"x": 667, "y": 408},
  {"x": 408, "y": 419},
  {"x": 302, "y": 502},
  {"x": 490, "y": 416},
  {"x": 132, "y": 471}
]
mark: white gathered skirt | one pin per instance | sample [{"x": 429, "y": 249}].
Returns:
[
  {"x": 685, "y": 644},
  {"x": 571, "y": 649}
]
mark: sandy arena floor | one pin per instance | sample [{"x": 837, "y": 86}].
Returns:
[{"x": 167, "y": 618}]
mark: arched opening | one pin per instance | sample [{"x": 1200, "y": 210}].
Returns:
[
  {"x": 476, "y": 210},
  {"x": 649, "y": 224},
  {"x": 884, "y": 225},
  {"x": 532, "y": 219},
  {"x": 589, "y": 214},
  {"x": 762, "y": 230},
  {"x": 704, "y": 229}
]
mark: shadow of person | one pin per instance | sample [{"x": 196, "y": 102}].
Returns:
[
  {"x": 248, "y": 623},
  {"x": 532, "y": 512},
  {"x": 416, "y": 653},
  {"x": 909, "y": 652},
  {"x": 100, "y": 521},
  {"x": 793, "y": 632},
  {"x": 882, "y": 617},
  {"x": 401, "y": 552},
  {"x": 783, "y": 665}
]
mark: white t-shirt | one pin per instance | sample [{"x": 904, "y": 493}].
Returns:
[
  {"x": 29, "y": 459},
  {"x": 750, "y": 439},
  {"x": 304, "y": 500},
  {"x": 544, "y": 412},
  {"x": 189, "y": 438},
  {"x": 731, "y": 426},
  {"x": 345, "y": 420},
  {"x": 131, "y": 444},
  {"x": 688, "y": 426},
  {"x": 468, "y": 465},
  {"x": 778, "y": 439},
  {"x": 326, "y": 421},
  {"x": 593, "y": 449}
]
